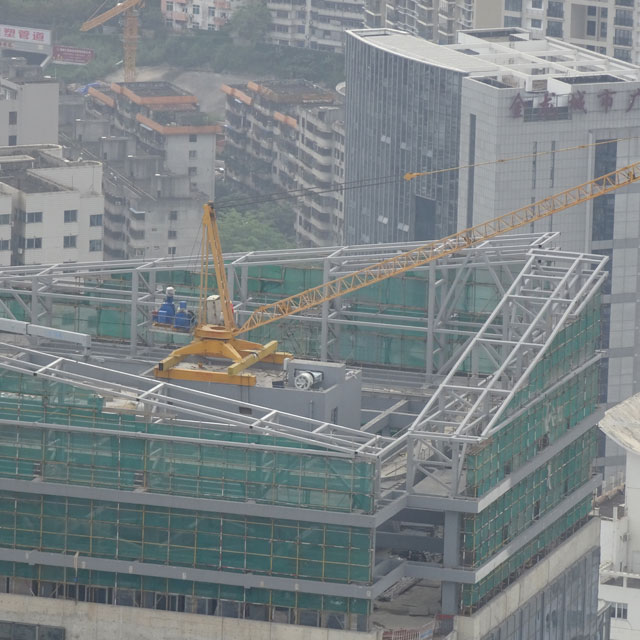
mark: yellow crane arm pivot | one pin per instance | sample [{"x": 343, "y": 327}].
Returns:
[
  {"x": 107, "y": 15},
  {"x": 439, "y": 248}
]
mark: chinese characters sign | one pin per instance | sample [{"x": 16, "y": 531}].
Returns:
[
  {"x": 63, "y": 54},
  {"x": 24, "y": 34},
  {"x": 545, "y": 104}
]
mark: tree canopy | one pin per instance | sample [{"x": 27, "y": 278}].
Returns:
[
  {"x": 250, "y": 231},
  {"x": 251, "y": 23}
]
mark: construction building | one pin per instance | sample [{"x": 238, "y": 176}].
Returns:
[
  {"x": 318, "y": 24},
  {"x": 50, "y": 208},
  {"x": 290, "y": 135},
  {"x": 159, "y": 153},
  {"x": 457, "y": 504},
  {"x": 497, "y": 94},
  {"x": 23, "y": 92}
]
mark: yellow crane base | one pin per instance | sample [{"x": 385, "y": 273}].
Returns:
[{"x": 243, "y": 353}]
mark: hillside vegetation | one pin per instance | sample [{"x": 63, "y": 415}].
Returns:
[{"x": 236, "y": 49}]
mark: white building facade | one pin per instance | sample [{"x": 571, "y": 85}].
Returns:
[
  {"x": 606, "y": 26},
  {"x": 28, "y": 106},
  {"x": 435, "y": 21},
  {"x": 209, "y": 15},
  {"x": 51, "y": 210}
]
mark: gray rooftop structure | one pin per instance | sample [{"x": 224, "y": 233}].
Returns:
[{"x": 489, "y": 345}]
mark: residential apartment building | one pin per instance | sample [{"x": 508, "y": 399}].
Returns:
[
  {"x": 497, "y": 94},
  {"x": 608, "y": 26},
  {"x": 210, "y": 15},
  {"x": 317, "y": 24},
  {"x": 290, "y": 135},
  {"x": 430, "y": 19},
  {"x": 313, "y": 24},
  {"x": 24, "y": 92},
  {"x": 51, "y": 209},
  {"x": 159, "y": 151}
]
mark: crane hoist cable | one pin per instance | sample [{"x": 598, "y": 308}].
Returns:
[{"x": 293, "y": 194}]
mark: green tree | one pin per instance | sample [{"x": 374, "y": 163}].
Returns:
[
  {"x": 279, "y": 213},
  {"x": 251, "y": 23},
  {"x": 249, "y": 231}
]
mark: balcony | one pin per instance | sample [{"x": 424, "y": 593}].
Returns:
[
  {"x": 555, "y": 10},
  {"x": 623, "y": 21}
]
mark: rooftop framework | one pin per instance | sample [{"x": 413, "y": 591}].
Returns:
[{"x": 502, "y": 329}]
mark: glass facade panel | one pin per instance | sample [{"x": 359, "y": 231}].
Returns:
[{"x": 387, "y": 136}]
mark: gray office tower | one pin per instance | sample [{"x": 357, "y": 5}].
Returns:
[{"x": 566, "y": 113}]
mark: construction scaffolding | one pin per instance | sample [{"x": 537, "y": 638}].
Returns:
[{"x": 120, "y": 488}]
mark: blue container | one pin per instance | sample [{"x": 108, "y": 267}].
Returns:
[
  {"x": 183, "y": 318},
  {"x": 167, "y": 311}
]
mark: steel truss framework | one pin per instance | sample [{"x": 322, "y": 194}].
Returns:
[{"x": 540, "y": 289}]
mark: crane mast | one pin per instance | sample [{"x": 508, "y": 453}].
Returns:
[
  {"x": 221, "y": 340},
  {"x": 130, "y": 32},
  {"x": 215, "y": 337}
]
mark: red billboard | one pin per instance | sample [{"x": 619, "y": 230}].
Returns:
[{"x": 62, "y": 54}]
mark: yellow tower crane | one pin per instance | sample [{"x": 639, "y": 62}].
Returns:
[
  {"x": 130, "y": 33},
  {"x": 220, "y": 339}
]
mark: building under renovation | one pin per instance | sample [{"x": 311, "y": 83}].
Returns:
[{"x": 433, "y": 477}]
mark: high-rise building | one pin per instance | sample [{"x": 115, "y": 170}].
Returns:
[
  {"x": 290, "y": 135},
  {"x": 563, "y": 115},
  {"x": 51, "y": 209}
]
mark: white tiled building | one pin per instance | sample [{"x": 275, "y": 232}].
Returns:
[
  {"x": 24, "y": 92},
  {"x": 51, "y": 210},
  {"x": 435, "y": 21},
  {"x": 605, "y": 26}
]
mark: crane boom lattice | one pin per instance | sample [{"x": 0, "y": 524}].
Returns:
[
  {"x": 220, "y": 340},
  {"x": 440, "y": 248}
]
